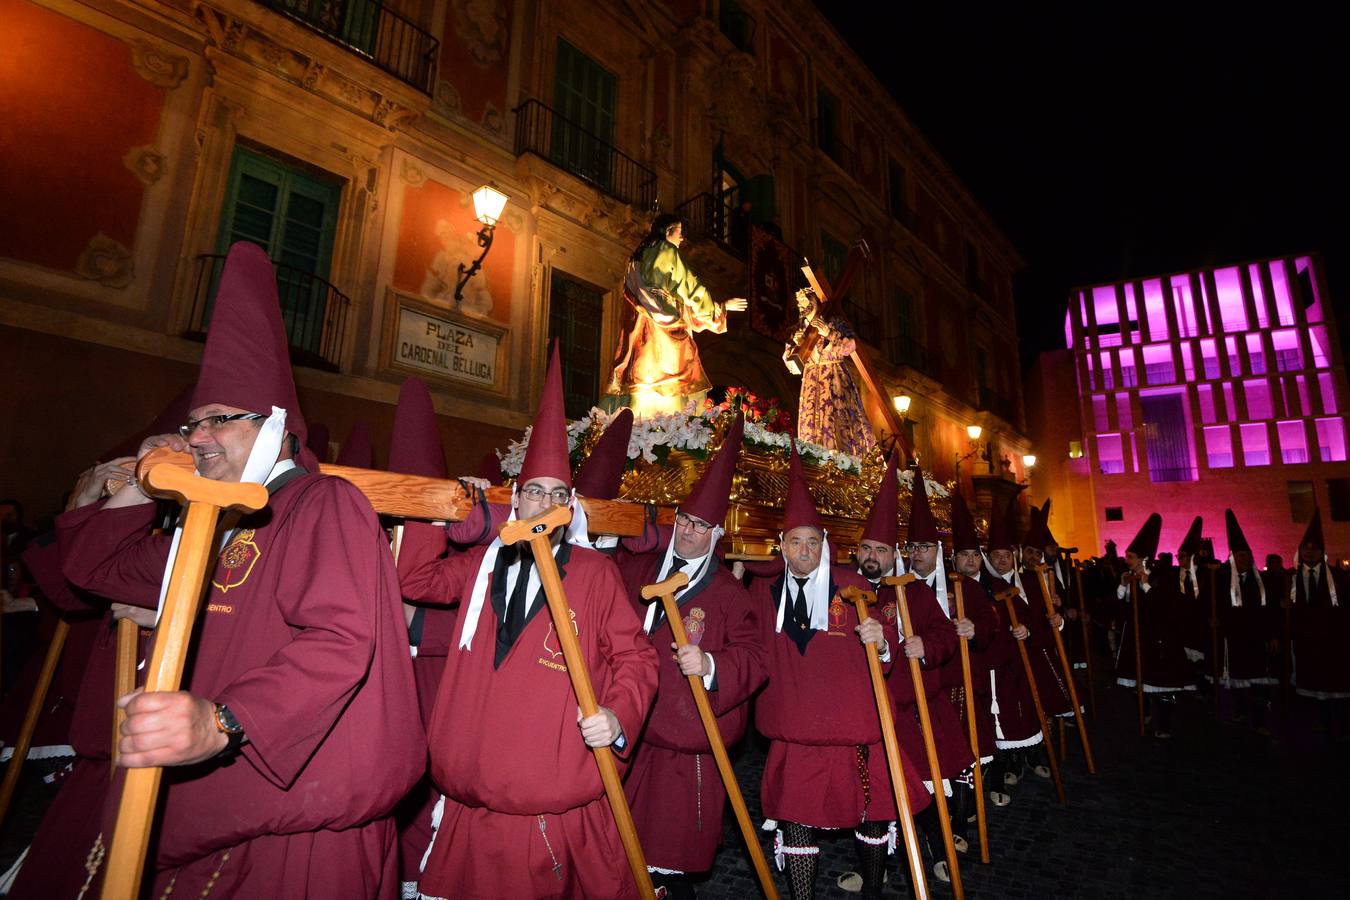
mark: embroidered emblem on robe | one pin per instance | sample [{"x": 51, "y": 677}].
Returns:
[
  {"x": 836, "y": 613},
  {"x": 693, "y": 625},
  {"x": 551, "y": 641},
  {"x": 237, "y": 560}
]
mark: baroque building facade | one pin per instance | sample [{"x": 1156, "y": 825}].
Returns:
[{"x": 142, "y": 137}]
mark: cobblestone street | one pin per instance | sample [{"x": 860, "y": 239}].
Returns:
[{"x": 1217, "y": 811}]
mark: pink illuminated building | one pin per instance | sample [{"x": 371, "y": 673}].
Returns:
[{"x": 1191, "y": 392}]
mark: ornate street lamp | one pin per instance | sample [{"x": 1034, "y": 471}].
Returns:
[{"x": 488, "y": 203}]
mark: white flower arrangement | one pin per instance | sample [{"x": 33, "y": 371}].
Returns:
[
  {"x": 934, "y": 488},
  {"x": 690, "y": 430}
]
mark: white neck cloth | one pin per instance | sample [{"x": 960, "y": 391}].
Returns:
[{"x": 817, "y": 589}]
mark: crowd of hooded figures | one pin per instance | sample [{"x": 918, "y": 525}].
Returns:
[{"x": 387, "y": 709}]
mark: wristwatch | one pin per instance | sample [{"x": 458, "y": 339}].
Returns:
[{"x": 228, "y": 725}]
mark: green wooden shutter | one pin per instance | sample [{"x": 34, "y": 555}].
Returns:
[{"x": 585, "y": 95}]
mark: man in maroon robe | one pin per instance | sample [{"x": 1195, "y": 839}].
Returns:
[
  {"x": 1016, "y": 726},
  {"x": 1162, "y": 654},
  {"x": 978, "y": 627},
  {"x": 826, "y": 766},
  {"x": 523, "y": 812},
  {"x": 1321, "y": 629},
  {"x": 673, "y": 787},
  {"x": 298, "y": 729},
  {"x": 1249, "y": 620}
]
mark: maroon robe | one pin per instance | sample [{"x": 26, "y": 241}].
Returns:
[
  {"x": 1013, "y": 707},
  {"x": 820, "y": 715},
  {"x": 303, "y": 638},
  {"x": 1247, "y": 630},
  {"x": 523, "y": 793},
  {"x": 1162, "y": 627},
  {"x": 985, "y": 652},
  {"x": 673, "y": 785},
  {"x": 1321, "y": 632},
  {"x": 1045, "y": 664},
  {"x": 939, "y": 645}
]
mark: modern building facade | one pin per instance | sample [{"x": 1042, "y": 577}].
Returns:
[
  {"x": 1191, "y": 392},
  {"x": 142, "y": 137}
]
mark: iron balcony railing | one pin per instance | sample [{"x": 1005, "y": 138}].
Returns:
[
  {"x": 388, "y": 40},
  {"x": 314, "y": 313},
  {"x": 702, "y": 217},
  {"x": 542, "y": 131}
]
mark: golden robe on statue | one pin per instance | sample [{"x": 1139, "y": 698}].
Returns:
[{"x": 656, "y": 366}]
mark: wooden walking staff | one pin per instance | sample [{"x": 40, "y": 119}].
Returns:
[
  {"x": 957, "y": 578},
  {"x": 124, "y": 675},
  {"x": 926, "y": 726},
  {"x": 909, "y": 834},
  {"x": 1048, "y": 591},
  {"x": 204, "y": 500},
  {"x": 30, "y": 718},
  {"x": 1138, "y": 653},
  {"x": 536, "y": 531},
  {"x": 666, "y": 592},
  {"x": 1007, "y": 595},
  {"x": 1087, "y": 638}
]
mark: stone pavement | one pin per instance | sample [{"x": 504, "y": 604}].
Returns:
[{"x": 1217, "y": 811}]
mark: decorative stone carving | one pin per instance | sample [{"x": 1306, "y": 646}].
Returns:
[
  {"x": 161, "y": 69},
  {"x": 445, "y": 100},
  {"x": 412, "y": 174},
  {"x": 393, "y": 115},
  {"x": 493, "y": 120},
  {"x": 313, "y": 72},
  {"x": 273, "y": 55},
  {"x": 106, "y": 261},
  {"x": 146, "y": 163},
  {"x": 482, "y": 27}
]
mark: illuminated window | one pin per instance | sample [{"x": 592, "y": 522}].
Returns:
[
  {"x": 1256, "y": 356},
  {"x": 1156, "y": 310},
  {"x": 1187, "y": 362},
  {"x": 1091, "y": 372},
  {"x": 1321, "y": 349},
  {"x": 1255, "y": 444},
  {"x": 1229, "y": 407},
  {"x": 1293, "y": 442},
  {"x": 1123, "y": 412},
  {"x": 1305, "y": 409},
  {"x": 1232, "y": 310},
  {"x": 1158, "y": 366},
  {"x": 1205, "y": 393},
  {"x": 1099, "y": 414},
  {"x": 1258, "y": 399},
  {"x": 1327, "y": 387},
  {"x": 1210, "y": 358},
  {"x": 1107, "y": 315},
  {"x": 1219, "y": 447},
  {"x": 1075, "y": 449},
  {"x": 1128, "y": 378},
  {"x": 1183, "y": 303},
  {"x": 1110, "y": 454},
  {"x": 1258, "y": 297},
  {"x": 1284, "y": 303},
  {"x": 1331, "y": 440},
  {"x": 1312, "y": 303},
  {"x": 1234, "y": 360}
]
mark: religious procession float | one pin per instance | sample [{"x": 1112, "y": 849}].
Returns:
[{"x": 667, "y": 453}]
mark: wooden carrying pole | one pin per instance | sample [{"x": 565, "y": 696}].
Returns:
[
  {"x": 1138, "y": 653},
  {"x": 444, "y": 499},
  {"x": 1087, "y": 638},
  {"x": 909, "y": 834},
  {"x": 1048, "y": 592},
  {"x": 971, "y": 725},
  {"x": 926, "y": 725},
  {"x": 666, "y": 592},
  {"x": 204, "y": 499},
  {"x": 30, "y": 718},
  {"x": 1007, "y": 595},
  {"x": 536, "y": 531},
  {"x": 124, "y": 675}
]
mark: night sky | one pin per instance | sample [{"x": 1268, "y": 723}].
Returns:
[{"x": 1115, "y": 143}]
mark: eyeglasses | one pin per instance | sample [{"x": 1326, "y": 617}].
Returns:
[
  {"x": 534, "y": 492},
  {"x": 921, "y": 547},
  {"x": 211, "y": 423},
  {"x": 697, "y": 526}
]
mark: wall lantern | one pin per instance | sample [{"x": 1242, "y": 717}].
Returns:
[{"x": 488, "y": 203}]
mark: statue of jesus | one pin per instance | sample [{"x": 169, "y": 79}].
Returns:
[{"x": 656, "y": 366}]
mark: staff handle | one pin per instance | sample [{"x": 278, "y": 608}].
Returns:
[
  {"x": 30, "y": 718},
  {"x": 1087, "y": 638},
  {"x": 124, "y": 676},
  {"x": 205, "y": 499},
  {"x": 666, "y": 592},
  {"x": 972, "y": 725},
  {"x": 909, "y": 834},
  {"x": 1007, "y": 597},
  {"x": 929, "y": 746},
  {"x": 1048, "y": 594},
  {"x": 537, "y": 531}
]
